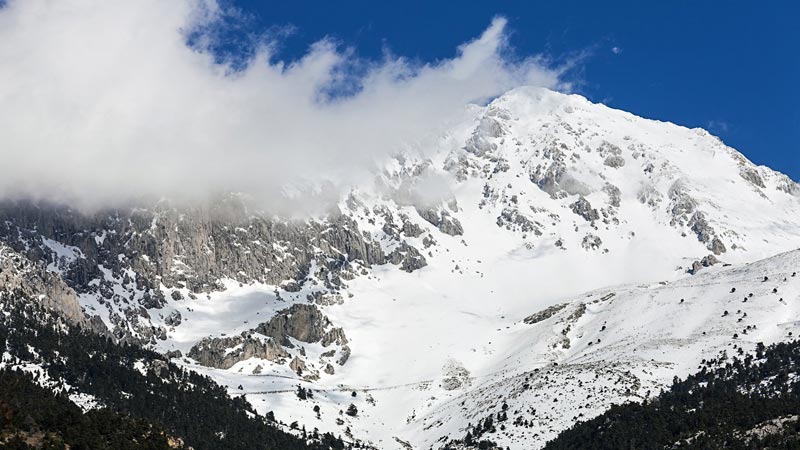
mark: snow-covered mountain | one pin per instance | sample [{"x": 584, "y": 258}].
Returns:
[{"x": 545, "y": 258}]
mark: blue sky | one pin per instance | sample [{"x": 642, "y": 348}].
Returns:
[{"x": 731, "y": 67}]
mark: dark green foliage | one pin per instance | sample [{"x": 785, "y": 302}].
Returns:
[
  {"x": 29, "y": 411},
  {"x": 182, "y": 402},
  {"x": 476, "y": 435},
  {"x": 713, "y": 409},
  {"x": 303, "y": 393}
]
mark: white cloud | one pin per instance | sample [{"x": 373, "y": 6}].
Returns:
[
  {"x": 718, "y": 126},
  {"x": 616, "y": 50},
  {"x": 102, "y": 101}
]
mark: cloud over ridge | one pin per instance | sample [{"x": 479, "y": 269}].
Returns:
[{"x": 103, "y": 101}]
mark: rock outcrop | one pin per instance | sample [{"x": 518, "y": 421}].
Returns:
[
  {"x": 184, "y": 248},
  {"x": 32, "y": 280},
  {"x": 277, "y": 340},
  {"x": 225, "y": 352},
  {"x": 583, "y": 208},
  {"x": 304, "y": 323},
  {"x": 138, "y": 259},
  {"x": 442, "y": 220},
  {"x": 407, "y": 257},
  {"x": 707, "y": 261}
]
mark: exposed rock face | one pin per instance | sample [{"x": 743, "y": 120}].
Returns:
[
  {"x": 707, "y": 261},
  {"x": 276, "y": 340},
  {"x": 304, "y": 323},
  {"x": 298, "y": 365},
  {"x": 591, "y": 242},
  {"x": 684, "y": 211},
  {"x": 334, "y": 336},
  {"x": 139, "y": 258},
  {"x": 394, "y": 230},
  {"x": 344, "y": 356},
  {"x": 614, "y": 194},
  {"x": 173, "y": 319},
  {"x": 751, "y": 175},
  {"x": 322, "y": 298},
  {"x": 700, "y": 227},
  {"x": 786, "y": 184},
  {"x": 583, "y": 208},
  {"x": 614, "y": 161},
  {"x": 455, "y": 376},
  {"x": 174, "y": 354},
  {"x": 407, "y": 257},
  {"x": 545, "y": 314},
  {"x": 557, "y": 181},
  {"x": 480, "y": 143},
  {"x": 705, "y": 233},
  {"x": 33, "y": 280},
  {"x": 648, "y": 195},
  {"x": 411, "y": 229},
  {"x": 512, "y": 219},
  {"x": 442, "y": 220},
  {"x": 717, "y": 246},
  {"x": 191, "y": 248},
  {"x": 224, "y": 353},
  {"x": 682, "y": 205},
  {"x": 608, "y": 149}
]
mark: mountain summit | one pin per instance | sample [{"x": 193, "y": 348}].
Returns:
[{"x": 544, "y": 258}]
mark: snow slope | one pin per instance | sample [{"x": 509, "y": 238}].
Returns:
[
  {"x": 621, "y": 344},
  {"x": 556, "y": 197},
  {"x": 539, "y": 201},
  {"x": 610, "y": 345}
]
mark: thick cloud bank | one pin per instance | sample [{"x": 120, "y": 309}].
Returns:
[{"x": 103, "y": 101}]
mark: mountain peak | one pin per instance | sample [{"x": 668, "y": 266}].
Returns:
[{"x": 531, "y": 203}]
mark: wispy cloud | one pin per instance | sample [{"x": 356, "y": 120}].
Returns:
[
  {"x": 102, "y": 101},
  {"x": 718, "y": 126}
]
